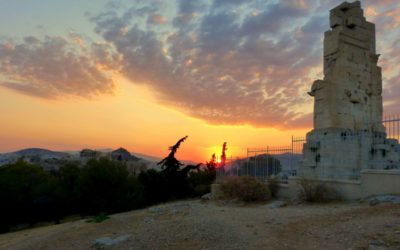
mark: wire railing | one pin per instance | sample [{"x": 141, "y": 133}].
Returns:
[
  {"x": 264, "y": 162},
  {"x": 392, "y": 126}
]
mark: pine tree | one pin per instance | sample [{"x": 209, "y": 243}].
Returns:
[{"x": 170, "y": 164}]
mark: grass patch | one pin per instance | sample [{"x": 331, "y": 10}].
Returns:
[{"x": 98, "y": 218}]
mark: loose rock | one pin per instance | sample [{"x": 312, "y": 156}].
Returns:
[
  {"x": 277, "y": 204},
  {"x": 104, "y": 242}
]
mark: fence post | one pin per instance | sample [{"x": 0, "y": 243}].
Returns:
[
  {"x": 291, "y": 156},
  {"x": 268, "y": 161},
  {"x": 247, "y": 162}
]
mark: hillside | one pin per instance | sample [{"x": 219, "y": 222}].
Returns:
[
  {"x": 34, "y": 153},
  {"x": 44, "y": 153},
  {"x": 46, "y": 157},
  {"x": 217, "y": 225}
]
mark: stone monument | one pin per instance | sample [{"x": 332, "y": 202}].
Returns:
[{"x": 348, "y": 134}]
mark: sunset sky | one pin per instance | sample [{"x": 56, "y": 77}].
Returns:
[{"x": 141, "y": 74}]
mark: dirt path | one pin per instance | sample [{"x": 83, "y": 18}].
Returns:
[{"x": 212, "y": 225}]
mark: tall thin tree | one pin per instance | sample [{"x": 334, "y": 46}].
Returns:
[{"x": 223, "y": 155}]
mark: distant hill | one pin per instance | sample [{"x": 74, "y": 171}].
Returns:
[
  {"x": 146, "y": 157},
  {"x": 34, "y": 155},
  {"x": 43, "y": 153},
  {"x": 6, "y": 158}
]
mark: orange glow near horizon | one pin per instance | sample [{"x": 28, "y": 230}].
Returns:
[
  {"x": 130, "y": 119},
  {"x": 259, "y": 74}
]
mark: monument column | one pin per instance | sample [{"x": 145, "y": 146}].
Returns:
[{"x": 348, "y": 132}]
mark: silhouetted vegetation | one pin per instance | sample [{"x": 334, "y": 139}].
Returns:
[
  {"x": 29, "y": 194},
  {"x": 212, "y": 164},
  {"x": 200, "y": 181},
  {"x": 104, "y": 187},
  {"x": 154, "y": 184},
  {"x": 170, "y": 164},
  {"x": 26, "y": 194},
  {"x": 223, "y": 155}
]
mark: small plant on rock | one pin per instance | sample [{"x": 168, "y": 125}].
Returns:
[{"x": 99, "y": 218}]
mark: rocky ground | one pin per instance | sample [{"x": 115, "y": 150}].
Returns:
[{"x": 197, "y": 224}]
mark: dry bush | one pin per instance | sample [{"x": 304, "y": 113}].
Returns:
[
  {"x": 273, "y": 186},
  {"x": 245, "y": 188},
  {"x": 316, "y": 191}
]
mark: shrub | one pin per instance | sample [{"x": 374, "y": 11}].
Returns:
[
  {"x": 273, "y": 186},
  {"x": 315, "y": 191},
  {"x": 200, "y": 182},
  {"x": 245, "y": 188}
]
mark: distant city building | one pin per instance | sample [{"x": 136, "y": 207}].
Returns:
[{"x": 89, "y": 154}]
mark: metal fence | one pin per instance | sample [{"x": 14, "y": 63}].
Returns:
[
  {"x": 263, "y": 163},
  {"x": 297, "y": 144},
  {"x": 285, "y": 161},
  {"x": 392, "y": 126}
]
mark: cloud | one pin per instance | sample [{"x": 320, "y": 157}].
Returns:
[
  {"x": 226, "y": 62},
  {"x": 386, "y": 16},
  {"x": 219, "y": 3},
  {"x": 189, "y": 7},
  {"x": 224, "y": 66},
  {"x": 391, "y": 91},
  {"x": 273, "y": 19},
  {"x": 53, "y": 67},
  {"x": 156, "y": 19}
]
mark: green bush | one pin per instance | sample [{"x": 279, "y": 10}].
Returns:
[{"x": 245, "y": 188}]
